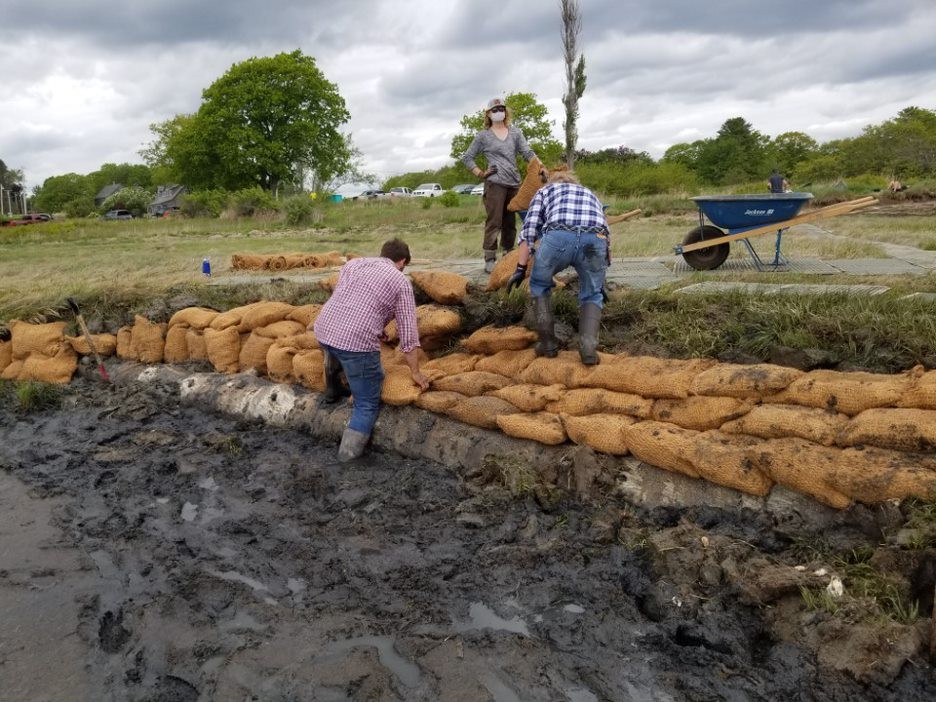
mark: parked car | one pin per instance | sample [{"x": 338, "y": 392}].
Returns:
[
  {"x": 369, "y": 195},
  {"x": 400, "y": 191},
  {"x": 117, "y": 214},
  {"x": 463, "y": 188},
  {"x": 32, "y": 218},
  {"x": 477, "y": 190},
  {"x": 428, "y": 190}
]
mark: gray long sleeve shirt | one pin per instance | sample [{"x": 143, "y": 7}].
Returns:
[{"x": 502, "y": 154}]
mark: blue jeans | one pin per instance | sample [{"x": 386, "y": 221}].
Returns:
[
  {"x": 586, "y": 252},
  {"x": 365, "y": 379}
]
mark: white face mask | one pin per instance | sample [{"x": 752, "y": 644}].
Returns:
[{"x": 498, "y": 116}]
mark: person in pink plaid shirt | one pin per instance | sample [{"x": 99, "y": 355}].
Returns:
[{"x": 370, "y": 292}]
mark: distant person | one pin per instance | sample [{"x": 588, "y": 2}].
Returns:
[
  {"x": 777, "y": 183},
  {"x": 570, "y": 222},
  {"x": 370, "y": 292},
  {"x": 499, "y": 143}
]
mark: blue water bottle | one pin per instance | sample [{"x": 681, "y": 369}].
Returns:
[{"x": 206, "y": 267}]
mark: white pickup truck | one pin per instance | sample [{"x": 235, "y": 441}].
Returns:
[{"x": 428, "y": 190}]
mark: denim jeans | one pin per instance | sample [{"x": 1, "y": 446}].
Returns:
[
  {"x": 365, "y": 379},
  {"x": 586, "y": 252}
]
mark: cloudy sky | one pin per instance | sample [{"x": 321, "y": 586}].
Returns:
[{"x": 83, "y": 80}]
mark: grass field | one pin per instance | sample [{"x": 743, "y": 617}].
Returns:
[{"x": 116, "y": 268}]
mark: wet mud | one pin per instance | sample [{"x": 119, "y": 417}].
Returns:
[{"x": 160, "y": 551}]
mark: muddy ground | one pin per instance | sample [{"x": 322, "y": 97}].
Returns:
[{"x": 158, "y": 551}]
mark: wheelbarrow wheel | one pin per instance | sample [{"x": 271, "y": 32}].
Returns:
[{"x": 709, "y": 258}]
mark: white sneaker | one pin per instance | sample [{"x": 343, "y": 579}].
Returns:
[{"x": 489, "y": 266}]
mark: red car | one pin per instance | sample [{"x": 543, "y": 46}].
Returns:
[{"x": 34, "y": 218}]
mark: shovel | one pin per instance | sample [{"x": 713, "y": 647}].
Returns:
[{"x": 87, "y": 335}]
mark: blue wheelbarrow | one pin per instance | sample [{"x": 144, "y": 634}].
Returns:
[{"x": 740, "y": 217}]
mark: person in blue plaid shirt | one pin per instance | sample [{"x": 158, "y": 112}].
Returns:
[{"x": 570, "y": 222}]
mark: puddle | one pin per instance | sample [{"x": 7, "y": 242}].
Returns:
[
  {"x": 189, "y": 512},
  {"x": 480, "y": 616},
  {"x": 407, "y": 672}
]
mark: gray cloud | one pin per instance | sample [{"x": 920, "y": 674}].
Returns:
[{"x": 83, "y": 81}]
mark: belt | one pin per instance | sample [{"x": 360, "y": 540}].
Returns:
[{"x": 575, "y": 229}]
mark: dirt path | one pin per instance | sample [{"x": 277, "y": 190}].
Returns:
[{"x": 194, "y": 557}]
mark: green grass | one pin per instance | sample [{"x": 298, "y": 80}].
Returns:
[
  {"x": 33, "y": 396},
  {"x": 116, "y": 269},
  {"x": 881, "y": 333}
]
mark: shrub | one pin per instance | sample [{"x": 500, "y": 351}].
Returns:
[
  {"x": 251, "y": 201},
  {"x": 79, "y": 207},
  {"x": 449, "y": 199},
  {"x": 204, "y": 203},
  {"x": 299, "y": 209},
  {"x": 426, "y": 202}
]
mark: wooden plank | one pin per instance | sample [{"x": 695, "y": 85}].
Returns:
[
  {"x": 614, "y": 219},
  {"x": 830, "y": 211}
]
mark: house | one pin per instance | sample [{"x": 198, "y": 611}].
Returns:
[
  {"x": 105, "y": 193},
  {"x": 168, "y": 197}
]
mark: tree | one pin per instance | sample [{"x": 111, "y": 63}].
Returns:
[
  {"x": 787, "y": 150},
  {"x": 265, "y": 122},
  {"x": 123, "y": 173},
  {"x": 527, "y": 115},
  {"x": 58, "y": 191},
  {"x": 687, "y": 155},
  {"x": 736, "y": 154},
  {"x": 617, "y": 154},
  {"x": 905, "y": 145},
  {"x": 575, "y": 74}
]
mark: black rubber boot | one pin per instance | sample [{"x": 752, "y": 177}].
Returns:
[
  {"x": 542, "y": 310},
  {"x": 589, "y": 321},
  {"x": 334, "y": 389}
]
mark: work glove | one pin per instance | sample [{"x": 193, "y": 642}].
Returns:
[
  {"x": 489, "y": 172},
  {"x": 518, "y": 275}
]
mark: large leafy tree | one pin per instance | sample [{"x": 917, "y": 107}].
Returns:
[
  {"x": 905, "y": 145},
  {"x": 124, "y": 173},
  {"x": 57, "y": 192},
  {"x": 266, "y": 122},
  {"x": 736, "y": 154},
  {"x": 790, "y": 149},
  {"x": 528, "y": 115}
]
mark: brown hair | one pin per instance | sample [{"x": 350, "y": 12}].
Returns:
[
  {"x": 396, "y": 250},
  {"x": 487, "y": 117}
]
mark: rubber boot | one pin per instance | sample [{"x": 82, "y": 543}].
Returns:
[
  {"x": 589, "y": 321},
  {"x": 352, "y": 445},
  {"x": 334, "y": 390},
  {"x": 490, "y": 259},
  {"x": 542, "y": 310}
]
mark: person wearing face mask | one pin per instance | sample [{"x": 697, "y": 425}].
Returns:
[{"x": 499, "y": 143}]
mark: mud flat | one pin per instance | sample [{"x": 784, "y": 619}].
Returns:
[{"x": 156, "y": 548}]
